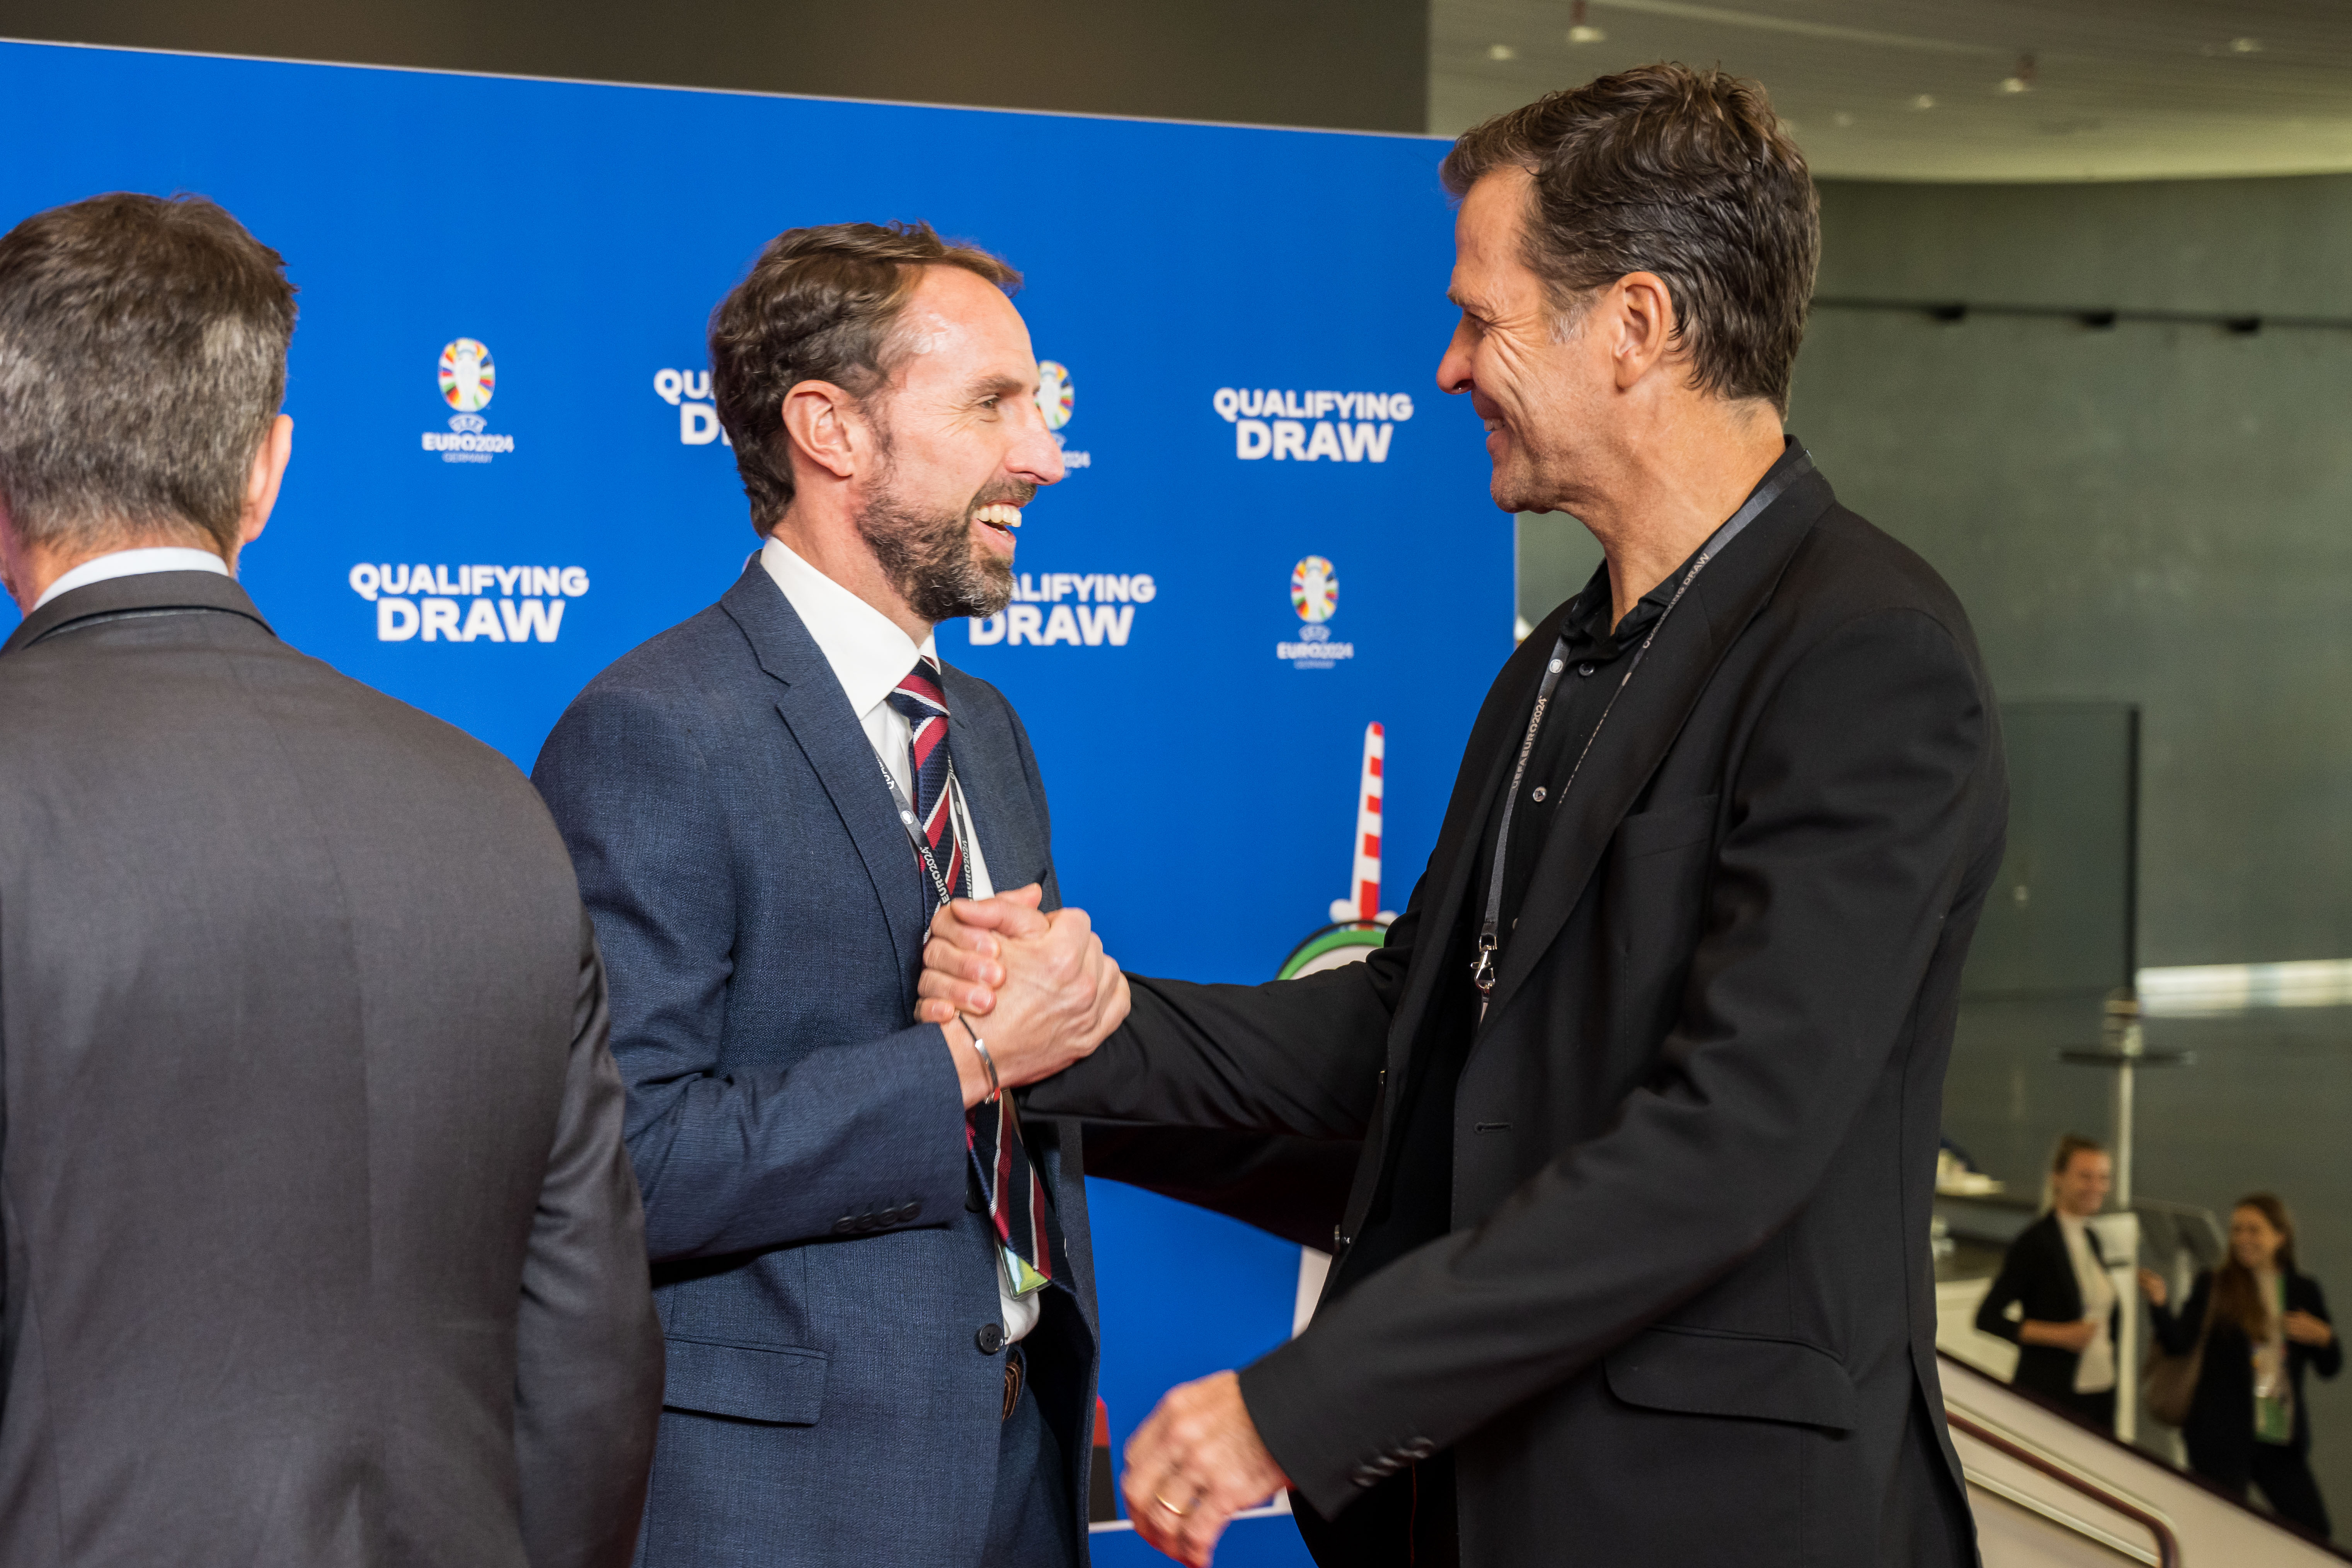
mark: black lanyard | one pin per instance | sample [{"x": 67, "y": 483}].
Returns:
[{"x": 1482, "y": 969}]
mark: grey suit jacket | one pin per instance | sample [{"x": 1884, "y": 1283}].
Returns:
[{"x": 321, "y": 1246}]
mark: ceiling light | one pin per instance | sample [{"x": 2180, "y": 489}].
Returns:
[
  {"x": 1842, "y": 119},
  {"x": 2021, "y": 78},
  {"x": 1501, "y": 52},
  {"x": 1925, "y": 100},
  {"x": 2245, "y": 46},
  {"x": 1580, "y": 31}
]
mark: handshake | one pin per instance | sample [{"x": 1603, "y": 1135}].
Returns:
[{"x": 1046, "y": 991}]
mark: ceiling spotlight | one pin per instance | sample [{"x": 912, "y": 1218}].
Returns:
[
  {"x": 1842, "y": 119},
  {"x": 1580, "y": 31},
  {"x": 2245, "y": 46},
  {"x": 1501, "y": 52},
  {"x": 2021, "y": 78},
  {"x": 1925, "y": 100}
]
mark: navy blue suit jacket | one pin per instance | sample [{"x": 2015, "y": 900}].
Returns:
[{"x": 801, "y": 1144}]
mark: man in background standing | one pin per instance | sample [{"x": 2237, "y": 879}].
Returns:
[{"x": 321, "y": 1249}]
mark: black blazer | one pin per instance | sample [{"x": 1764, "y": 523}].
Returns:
[
  {"x": 2220, "y": 1431},
  {"x": 321, "y": 1244},
  {"x": 2038, "y": 1274},
  {"x": 1686, "y": 1310}
]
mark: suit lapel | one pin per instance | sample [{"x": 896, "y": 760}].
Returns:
[
  {"x": 1647, "y": 718},
  {"x": 818, "y": 714}
]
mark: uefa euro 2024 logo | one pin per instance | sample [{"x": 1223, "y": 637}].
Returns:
[
  {"x": 1313, "y": 590},
  {"x": 1315, "y": 594},
  {"x": 468, "y": 378}
]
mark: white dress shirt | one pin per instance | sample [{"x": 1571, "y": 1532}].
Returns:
[
  {"x": 2094, "y": 1372},
  {"x": 132, "y": 563},
  {"x": 869, "y": 656}
]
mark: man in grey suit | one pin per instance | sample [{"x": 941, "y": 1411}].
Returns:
[
  {"x": 321, "y": 1247},
  {"x": 873, "y": 1279}
]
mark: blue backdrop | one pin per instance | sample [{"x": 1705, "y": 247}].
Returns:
[{"x": 1247, "y": 321}]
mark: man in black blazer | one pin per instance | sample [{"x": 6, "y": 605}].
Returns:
[
  {"x": 1635, "y": 1267},
  {"x": 2065, "y": 1334},
  {"x": 321, "y": 1247}
]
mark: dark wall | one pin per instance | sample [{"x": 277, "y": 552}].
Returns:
[
  {"x": 2144, "y": 513},
  {"x": 1348, "y": 64}
]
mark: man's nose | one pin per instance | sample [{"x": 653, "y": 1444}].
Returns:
[
  {"x": 1454, "y": 364},
  {"x": 1037, "y": 456}
]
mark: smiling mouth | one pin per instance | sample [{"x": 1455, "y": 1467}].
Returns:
[{"x": 998, "y": 523}]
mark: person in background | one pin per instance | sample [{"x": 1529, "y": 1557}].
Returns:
[
  {"x": 321, "y": 1246},
  {"x": 2057, "y": 1278},
  {"x": 2264, "y": 1324}
]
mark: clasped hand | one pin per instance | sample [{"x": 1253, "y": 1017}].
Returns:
[{"x": 1047, "y": 991}]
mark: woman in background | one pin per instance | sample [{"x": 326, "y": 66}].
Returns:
[
  {"x": 2268, "y": 1324},
  {"x": 2056, "y": 1277}
]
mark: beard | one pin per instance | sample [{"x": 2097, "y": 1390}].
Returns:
[{"x": 931, "y": 557}]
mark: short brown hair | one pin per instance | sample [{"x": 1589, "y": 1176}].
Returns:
[
  {"x": 1686, "y": 173},
  {"x": 142, "y": 357},
  {"x": 819, "y": 305},
  {"x": 2072, "y": 1144}
]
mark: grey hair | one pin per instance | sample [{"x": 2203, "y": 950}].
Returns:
[{"x": 143, "y": 358}]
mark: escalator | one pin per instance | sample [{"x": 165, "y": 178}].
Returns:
[{"x": 2049, "y": 1493}]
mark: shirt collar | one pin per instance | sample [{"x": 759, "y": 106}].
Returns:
[
  {"x": 1589, "y": 635},
  {"x": 133, "y": 563},
  {"x": 869, "y": 653}
]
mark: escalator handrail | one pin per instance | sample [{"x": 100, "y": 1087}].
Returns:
[{"x": 2167, "y": 1545}]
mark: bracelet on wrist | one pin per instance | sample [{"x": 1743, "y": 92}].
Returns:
[{"x": 987, "y": 1062}]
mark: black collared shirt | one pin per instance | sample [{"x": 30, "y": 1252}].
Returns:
[{"x": 1417, "y": 1205}]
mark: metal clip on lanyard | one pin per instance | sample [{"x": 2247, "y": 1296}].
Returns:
[
  {"x": 961, "y": 827},
  {"x": 1482, "y": 968},
  {"x": 956, "y": 824}
]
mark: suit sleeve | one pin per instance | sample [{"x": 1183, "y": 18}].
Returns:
[
  {"x": 1857, "y": 813},
  {"x": 588, "y": 1370},
  {"x": 1298, "y": 1057},
  {"x": 2008, "y": 1286},
  {"x": 730, "y": 1160}
]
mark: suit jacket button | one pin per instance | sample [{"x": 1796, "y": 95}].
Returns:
[
  {"x": 911, "y": 1211},
  {"x": 972, "y": 1202},
  {"x": 1365, "y": 1476},
  {"x": 991, "y": 1338},
  {"x": 846, "y": 1226}
]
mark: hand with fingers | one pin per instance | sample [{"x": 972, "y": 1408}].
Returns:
[
  {"x": 1037, "y": 988},
  {"x": 1197, "y": 1462}
]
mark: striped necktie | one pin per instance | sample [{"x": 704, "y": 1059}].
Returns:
[{"x": 1000, "y": 1160}]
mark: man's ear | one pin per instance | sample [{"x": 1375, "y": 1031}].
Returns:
[
  {"x": 262, "y": 481},
  {"x": 1641, "y": 324},
  {"x": 824, "y": 427}
]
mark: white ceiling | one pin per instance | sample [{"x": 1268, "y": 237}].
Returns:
[{"x": 1913, "y": 89}]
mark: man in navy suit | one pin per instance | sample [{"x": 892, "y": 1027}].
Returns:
[{"x": 873, "y": 1279}]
